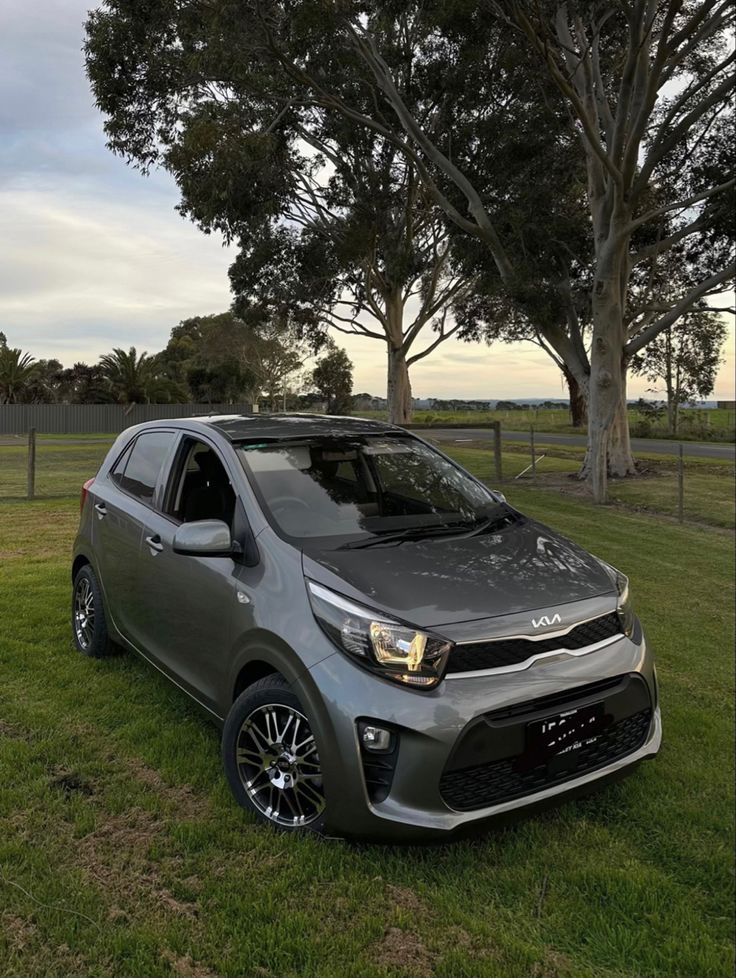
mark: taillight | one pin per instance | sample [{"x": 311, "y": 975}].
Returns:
[{"x": 85, "y": 489}]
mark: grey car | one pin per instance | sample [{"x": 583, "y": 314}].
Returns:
[{"x": 391, "y": 650}]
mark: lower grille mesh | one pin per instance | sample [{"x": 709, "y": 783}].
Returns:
[
  {"x": 491, "y": 784},
  {"x": 512, "y": 651}
]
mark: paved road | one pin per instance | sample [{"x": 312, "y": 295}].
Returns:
[{"x": 693, "y": 448}]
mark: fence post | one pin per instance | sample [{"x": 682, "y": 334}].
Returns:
[
  {"x": 681, "y": 488},
  {"x": 534, "y": 461},
  {"x": 497, "y": 449},
  {"x": 31, "y": 463}
]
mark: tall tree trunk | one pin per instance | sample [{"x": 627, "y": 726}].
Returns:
[
  {"x": 620, "y": 460},
  {"x": 399, "y": 387},
  {"x": 607, "y": 387},
  {"x": 671, "y": 422},
  {"x": 578, "y": 399}
]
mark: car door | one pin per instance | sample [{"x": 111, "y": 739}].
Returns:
[
  {"x": 185, "y": 602},
  {"x": 121, "y": 503}
]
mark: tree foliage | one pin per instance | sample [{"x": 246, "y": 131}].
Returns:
[
  {"x": 16, "y": 373},
  {"x": 333, "y": 380},
  {"x": 134, "y": 378},
  {"x": 685, "y": 358},
  {"x": 576, "y": 146}
]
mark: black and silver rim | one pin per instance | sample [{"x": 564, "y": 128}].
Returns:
[
  {"x": 84, "y": 613},
  {"x": 279, "y": 765}
]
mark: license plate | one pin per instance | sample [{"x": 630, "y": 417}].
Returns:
[{"x": 563, "y": 734}]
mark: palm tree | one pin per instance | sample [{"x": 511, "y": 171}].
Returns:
[
  {"x": 128, "y": 374},
  {"x": 16, "y": 371}
]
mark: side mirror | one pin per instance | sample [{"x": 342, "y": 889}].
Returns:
[{"x": 204, "y": 538}]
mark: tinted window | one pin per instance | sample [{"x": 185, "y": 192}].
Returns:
[
  {"x": 118, "y": 469},
  {"x": 145, "y": 463},
  {"x": 365, "y": 486}
]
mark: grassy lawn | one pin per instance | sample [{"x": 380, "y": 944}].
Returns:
[
  {"x": 711, "y": 424},
  {"x": 122, "y": 853},
  {"x": 64, "y": 464},
  {"x": 709, "y": 483}
]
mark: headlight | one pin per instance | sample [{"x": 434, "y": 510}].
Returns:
[
  {"x": 379, "y": 643},
  {"x": 624, "y": 605}
]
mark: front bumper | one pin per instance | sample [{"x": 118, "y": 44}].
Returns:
[{"x": 430, "y": 726}]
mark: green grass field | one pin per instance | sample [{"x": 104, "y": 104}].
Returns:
[
  {"x": 122, "y": 853},
  {"x": 63, "y": 465},
  {"x": 709, "y": 483},
  {"x": 712, "y": 424}
]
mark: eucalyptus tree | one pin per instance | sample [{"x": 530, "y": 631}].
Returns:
[
  {"x": 335, "y": 228},
  {"x": 646, "y": 87},
  {"x": 684, "y": 358}
]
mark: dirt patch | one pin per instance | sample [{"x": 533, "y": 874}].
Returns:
[
  {"x": 182, "y": 797},
  {"x": 406, "y": 899},
  {"x": 115, "y": 856},
  {"x": 70, "y": 783},
  {"x": 553, "y": 965},
  {"x": 27, "y": 944},
  {"x": 186, "y": 967},
  {"x": 18, "y": 931},
  {"x": 404, "y": 949},
  {"x": 8, "y": 730}
]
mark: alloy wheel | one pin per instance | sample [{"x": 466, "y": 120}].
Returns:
[
  {"x": 84, "y": 613},
  {"x": 279, "y": 766}
]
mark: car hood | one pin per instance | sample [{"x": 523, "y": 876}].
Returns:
[{"x": 433, "y": 582}]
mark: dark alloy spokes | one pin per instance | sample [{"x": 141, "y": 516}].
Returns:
[
  {"x": 84, "y": 613},
  {"x": 279, "y": 765}
]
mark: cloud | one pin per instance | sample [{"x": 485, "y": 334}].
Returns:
[{"x": 92, "y": 255}]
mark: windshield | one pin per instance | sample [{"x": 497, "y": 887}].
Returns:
[{"x": 363, "y": 487}]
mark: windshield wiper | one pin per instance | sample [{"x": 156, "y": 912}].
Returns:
[
  {"x": 410, "y": 533},
  {"x": 492, "y": 523},
  {"x": 461, "y": 530}
]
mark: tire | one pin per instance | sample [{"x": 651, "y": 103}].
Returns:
[
  {"x": 89, "y": 627},
  {"x": 271, "y": 760}
]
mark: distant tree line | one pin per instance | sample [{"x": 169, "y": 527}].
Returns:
[{"x": 218, "y": 359}]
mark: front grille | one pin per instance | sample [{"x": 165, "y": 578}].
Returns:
[
  {"x": 491, "y": 784},
  {"x": 512, "y": 651}
]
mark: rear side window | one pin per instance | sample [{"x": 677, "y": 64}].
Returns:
[
  {"x": 118, "y": 470},
  {"x": 144, "y": 463}
]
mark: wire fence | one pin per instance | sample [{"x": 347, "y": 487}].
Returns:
[{"x": 45, "y": 467}]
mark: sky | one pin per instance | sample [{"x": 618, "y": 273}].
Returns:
[{"x": 93, "y": 255}]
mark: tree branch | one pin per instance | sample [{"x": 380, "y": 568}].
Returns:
[{"x": 681, "y": 307}]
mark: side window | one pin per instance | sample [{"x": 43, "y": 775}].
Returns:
[
  {"x": 116, "y": 473},
  {"x": 145, "y": 462},
  {"x": 203, "y": 490}
]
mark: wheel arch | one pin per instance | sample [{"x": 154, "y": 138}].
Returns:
[
  {"x": 265, "y": 653},
  {"x": 80, "y": 561}
]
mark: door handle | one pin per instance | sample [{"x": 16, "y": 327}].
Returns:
[
  {"x": 155, "y": 544},
  {"x": 101, "y": 510}
]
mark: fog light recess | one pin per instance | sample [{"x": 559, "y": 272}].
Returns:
[{"x": 379, "y": 751}]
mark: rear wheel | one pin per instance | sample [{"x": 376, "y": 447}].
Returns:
[
  {"x": 271, "y": 757},
  {"x": 89, "y": 627}
]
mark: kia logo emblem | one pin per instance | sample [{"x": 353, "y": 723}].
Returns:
[{"x": 544, "y": 620}]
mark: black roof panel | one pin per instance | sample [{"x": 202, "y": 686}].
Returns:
[{"x": 239, "y": 427}]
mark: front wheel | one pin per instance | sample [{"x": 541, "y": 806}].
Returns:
[
  {"x": 89, "y": 627},
  {"x": 271, "y": 757}
]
